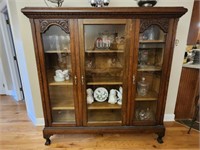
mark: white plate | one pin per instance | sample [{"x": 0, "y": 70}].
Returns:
[{"x": 100, "y": 94}]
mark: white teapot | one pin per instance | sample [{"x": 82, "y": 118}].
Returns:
[
  {"x": 113, "y": 96},
  {"x": 90, "y": 98}
]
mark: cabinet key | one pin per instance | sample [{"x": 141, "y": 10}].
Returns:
[
  {"x": 82, "y": 79},
  {"x": 133, "y": 79},
  {"x": 75, "y": 80}
]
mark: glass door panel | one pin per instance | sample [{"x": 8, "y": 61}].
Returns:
[
  {"x": 149, "y": 72},
  {"x": 56, "y": 44},
  {"x": 104, "y": 70}
]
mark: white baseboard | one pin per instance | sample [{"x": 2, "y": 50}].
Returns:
[
  {"x": 12, "y": 93},
  {"x": 40, "y": 121},
  {"x": 9, "y": 92},
  {"x": 31, "y": 117},
  {"x": 36, "y": 121},
  {"x": 169, "y": 117}
]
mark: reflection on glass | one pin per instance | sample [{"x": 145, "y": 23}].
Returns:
[
  {"x": 56, "y": 44},
  {"x": 144, "y": 114},
  {"x": 150, "y": 60},
  {"x": 55, "y": 39},
  {"x": 152, "y": 33},
  {"x": 142, "y": 87},
  {"x": 104, "y": 62},
  {"x": 145, "y": 111}
]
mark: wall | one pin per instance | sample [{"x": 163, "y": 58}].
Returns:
[
  {"x": 5, "y": 65},
  {"x": 26, "y": 49},
  {"x": 31, "y": 104}
]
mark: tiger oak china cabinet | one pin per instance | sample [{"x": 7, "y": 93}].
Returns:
[{"x": 104, "y": 70}]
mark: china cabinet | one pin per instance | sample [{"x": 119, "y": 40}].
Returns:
[{"x": 103, "y": 70}]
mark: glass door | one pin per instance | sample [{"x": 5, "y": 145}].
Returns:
[
  {"x": 148, "y": 76},
  {"x": 104, "y": 68},
  {"x": 57, "y": 53}
]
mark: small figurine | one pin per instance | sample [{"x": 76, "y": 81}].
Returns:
[
  {"x": 90, "y": 98},
  {"x": 119, "y": 95},
  {"x": 112, "y": 97}
]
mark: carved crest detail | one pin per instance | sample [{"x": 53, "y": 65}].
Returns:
[
  {"x": 162, "y": 23},
  {"x": 63, "y": 24}
]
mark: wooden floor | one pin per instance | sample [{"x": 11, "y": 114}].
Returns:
[{"x": 18, "y": 133}]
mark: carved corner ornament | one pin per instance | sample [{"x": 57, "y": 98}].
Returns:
[
  {"x": 63, "y": 24},
  {"x": 162, "y": 23}
]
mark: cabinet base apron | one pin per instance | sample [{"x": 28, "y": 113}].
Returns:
[{"x": 49, "y": 131}]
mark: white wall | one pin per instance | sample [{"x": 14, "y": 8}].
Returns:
[
  {"x": 25, "y": 51},
  {"x": 32, "y": 107},
  {"x": 7, "y": 81}
]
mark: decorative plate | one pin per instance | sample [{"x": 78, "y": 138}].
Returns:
[{"x": 100, "y": 94}]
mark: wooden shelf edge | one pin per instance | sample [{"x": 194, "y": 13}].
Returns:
[
  {"x": 151, "y": 96},
  {"x": 70, "y": 122},
  {"x": 60, "y": 83},
  {"x": 146, "y": 99},
  {"x": 56, "y": 51},
  {"x": 104, "y": 83},
  {"x": 152, "y": 41},
  {"x": 63, "y": 108},
  {"x": 103, "y": 105},
  {"x": 104, "y": 122},
  {"x": 105, "y": 51},
  {"x": 149, "y": 68}
]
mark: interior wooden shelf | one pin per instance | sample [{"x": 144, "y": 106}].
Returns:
[
  {"x": 105, "y": 51},
  {"x": 64, "y": 116},
  {"x": 57, "y": 51},
  {"x": 152, "y": 41},
  {"x": 104, "y": 70},
  {"x": 103, "y": 105},
  {"x": 54, "y": 83},
  {"x": 114, "y": 123},
  {"x": 149, "y": 68},
  {"x": 104, "y": 115},
  {"x": 62, "y": 105},
  {"x": 104, "y": 81},
  {"x": 151, "y": 96}
]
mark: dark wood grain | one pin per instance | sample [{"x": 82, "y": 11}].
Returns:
[
  {"x": 109, "y": 12},
  {"x": 188, "y": 90},
  {"x": 194, "y": 30},
  {"x": 135, "y": 20}
]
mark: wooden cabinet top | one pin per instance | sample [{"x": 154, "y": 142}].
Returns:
[{"x": 104, "y": 12}]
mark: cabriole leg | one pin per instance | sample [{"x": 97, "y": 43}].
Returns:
[
  {"x": 48, "y": 141},
  {"x": 47, "y": 137},
  {"x": 159, "y": 139},
  {"x": 160, "y": 136}
]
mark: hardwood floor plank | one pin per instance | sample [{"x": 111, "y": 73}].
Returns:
[{"x": 18, "y": 133}]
